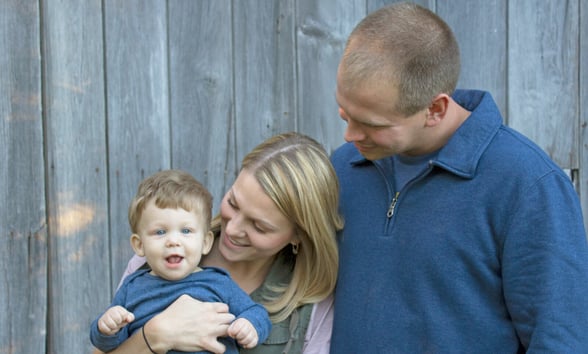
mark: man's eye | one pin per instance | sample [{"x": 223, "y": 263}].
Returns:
[{"x": 231, "y": 203}]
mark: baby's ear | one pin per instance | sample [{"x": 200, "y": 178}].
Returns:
[
  {"x": 207, "y": 242},
  {"x": 137, "y": 245}
]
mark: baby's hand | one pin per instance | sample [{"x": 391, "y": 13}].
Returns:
[
  {"x": 114, "y": 319},
  {"x": 244, "y": 332}
]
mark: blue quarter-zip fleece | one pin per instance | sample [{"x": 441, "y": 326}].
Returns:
[{"x": 485, "y": 252}]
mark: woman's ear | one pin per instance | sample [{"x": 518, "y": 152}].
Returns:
[
  {"x": 296, "y": 242},
  {"x": 207, "y": 242},
  {"x": 137, "y": 245}
]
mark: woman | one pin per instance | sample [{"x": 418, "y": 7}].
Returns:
[{"x": 276, "y": 237}]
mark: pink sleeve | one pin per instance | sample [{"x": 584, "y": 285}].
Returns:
[
  {"x": 134, "y": 263},
  {"x": 318, "y": 334}
]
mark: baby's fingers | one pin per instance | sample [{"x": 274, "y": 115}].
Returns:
[
  {"x": 244, "y": 332},
  {"x": 114, "y": 319},
  {"x": 107, "y": 326},
  {"x": 248, "y": 340},
  {"x": 129, "y": 317},
  {"x": 121, "y": 315}
]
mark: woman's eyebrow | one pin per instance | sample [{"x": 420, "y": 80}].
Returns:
[{"x": 254, "y": 218}]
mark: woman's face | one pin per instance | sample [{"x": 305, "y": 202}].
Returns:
[{"x": 252, "y": 227}]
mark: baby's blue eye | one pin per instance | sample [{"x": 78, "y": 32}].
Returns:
[
  {"x": 186, "y": 231},
  {"x": 160, "y": 232}
]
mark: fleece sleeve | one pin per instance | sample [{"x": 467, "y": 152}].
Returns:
[{"x": 545, "y": 268}]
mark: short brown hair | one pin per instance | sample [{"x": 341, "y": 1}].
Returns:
[
  {"x": 410, "y": 47},
  {"x": 171, "y": 189}
]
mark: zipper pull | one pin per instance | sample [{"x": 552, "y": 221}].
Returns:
[{"x": 392, "y": 205}]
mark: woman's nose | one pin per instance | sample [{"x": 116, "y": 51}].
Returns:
[{"x": 234, "y": 227}]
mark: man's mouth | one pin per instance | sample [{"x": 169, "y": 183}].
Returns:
[{"x": 361, "y": 147}]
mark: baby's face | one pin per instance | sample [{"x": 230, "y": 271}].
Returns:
[{"x": 172, "y": 240}]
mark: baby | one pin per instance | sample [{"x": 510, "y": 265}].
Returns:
[{"x": 169, "y": 219}]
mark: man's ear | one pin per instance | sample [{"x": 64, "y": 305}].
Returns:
[
  {"x": 207, "y": 242},
  {"x": 437, "y": 110},
  {"x": 137, "y": 245}
]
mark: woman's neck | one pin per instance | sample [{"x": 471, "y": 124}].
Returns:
[{"x": 249, "y": 275}]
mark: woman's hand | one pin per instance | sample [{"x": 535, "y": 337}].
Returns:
[{"x": 189, "y": 325}]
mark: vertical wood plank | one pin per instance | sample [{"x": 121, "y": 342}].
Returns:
[
  {"x": 264, "y": 71},
  {"x": 373, "y": 5},
  {"x": 201, "y": 87},
  {"x": 480, "y": 29},
  {"x": 138, "y": 109},
  {"x": 543, "y": 75},
  {"x": 23, "y": 230},
  {"x": 76, "y": 173},
  {"x": 322, "y": 29},
  {"x": 583, "y": 111}
]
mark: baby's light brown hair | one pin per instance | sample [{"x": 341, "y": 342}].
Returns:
[{"x": 171, "y": 189}]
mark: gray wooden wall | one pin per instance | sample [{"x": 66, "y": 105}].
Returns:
[{"x": 95, "y": 95}]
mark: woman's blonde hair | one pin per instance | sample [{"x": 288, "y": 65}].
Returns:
[{"x": 295, "y": 172}]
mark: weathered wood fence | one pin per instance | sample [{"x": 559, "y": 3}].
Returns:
[{"x": 95, "y": 95}]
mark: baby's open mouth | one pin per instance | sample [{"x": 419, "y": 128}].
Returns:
[{"x": 174, "y": 259}]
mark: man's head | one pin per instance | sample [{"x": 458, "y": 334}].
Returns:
[
  {"x": 407, "y": 46},
  {"x": 397, "y": 62}
]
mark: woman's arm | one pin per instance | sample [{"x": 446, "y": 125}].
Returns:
[
  {"x": 186, "y": 325},
  {"x": 135, "y": 344},
  {"x": 318, "y": 334},
  {"x": 133, "y": 264}
]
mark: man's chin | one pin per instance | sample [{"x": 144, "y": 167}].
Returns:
[{"x": 371, "y": 156}]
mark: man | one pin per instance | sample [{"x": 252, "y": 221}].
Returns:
[{"x": 461, "y": 235}]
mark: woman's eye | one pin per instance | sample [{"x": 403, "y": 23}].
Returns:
[{"x": 258, "y": 229}]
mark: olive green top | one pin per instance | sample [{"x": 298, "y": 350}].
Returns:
[{"x": 286, "y": 337}]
